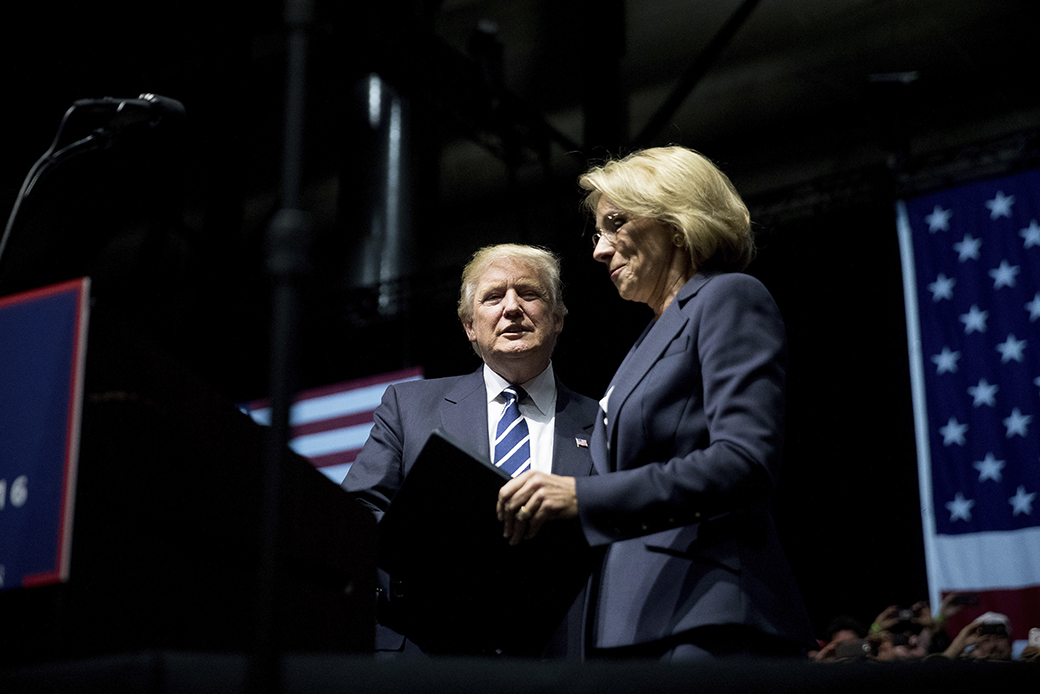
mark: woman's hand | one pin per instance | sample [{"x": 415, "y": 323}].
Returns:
[{"x": 527, "y": 501}]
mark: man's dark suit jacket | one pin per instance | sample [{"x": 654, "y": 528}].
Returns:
[
  {"x": 403, "y": 421},
  {"x": 688, "y": 454}
]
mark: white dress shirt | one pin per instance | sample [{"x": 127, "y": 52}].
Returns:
[{"x": 538, "y": 408}]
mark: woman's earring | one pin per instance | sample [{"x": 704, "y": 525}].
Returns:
[{"x": 678, "y": 240}]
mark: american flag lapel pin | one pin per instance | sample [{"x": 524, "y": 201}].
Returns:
[{"x": 581, "y": 443}]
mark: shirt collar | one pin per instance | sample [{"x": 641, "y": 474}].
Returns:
[{"x": 541, "y": 389}]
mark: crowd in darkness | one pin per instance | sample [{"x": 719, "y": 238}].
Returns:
[{"x": 916, "y": 632}]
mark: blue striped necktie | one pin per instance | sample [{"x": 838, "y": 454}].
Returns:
[{"x": 512, "y": 440}]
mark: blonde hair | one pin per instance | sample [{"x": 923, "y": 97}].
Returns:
[
  {"x": 543, "y": 261},
  {"x": 682, "y": 188}
]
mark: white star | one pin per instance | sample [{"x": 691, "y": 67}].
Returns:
[
  {"x": 938, "y": 219},
  {"x": 946, "y": 361},
  {"x": 974, "y": 320},
  {"x": 960, "y": 508},
  {"x": 1022, "y": 502},
  {"x": 942, "y": 287},
  {"x": 1004, "y": 276},
  {"x": 1017, "y": 423},
  {"x": 1011, "y": 349},
  {"x": 983, "y": 393},
  {"x": 1000, "y": 206},
  {"x": 989, "y": 469},
  {"x": 968, "y": 248},
  {"x": 1034, "y": 308},
  {"x": 1031, "y": 234},
  {"x": 953, "y": 432}
]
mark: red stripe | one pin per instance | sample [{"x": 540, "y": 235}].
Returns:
[
  {"x": 1020, "y": 605},
  {"x": 361, "y": 383},
  {"x": 390, "y": 377},
  {"x": 338, "y": 458},
  {"x": 41, "y": 579},
  {"x": 322, "y": 425},
  {"x": 79, "y": 287},
  {"x": 42, "y": 292}
]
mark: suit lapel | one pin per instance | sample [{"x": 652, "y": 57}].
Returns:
[
  {"x": 568, "y": 457},
  {"x": 646, "y": 352},
  {"x": 636, "y": 366},
  {"x": 464, "y": 413}
]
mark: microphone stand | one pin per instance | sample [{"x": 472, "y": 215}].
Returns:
[
  {"x": 288, "y": 241},
  {"x": 59, "y": 151},
  {"x": 89, "y": 125}
]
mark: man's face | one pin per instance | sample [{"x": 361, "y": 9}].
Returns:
[
  {"x": 992, "y": 647},
  {"x": 844, "y": 635},
  {"x": 513, "y": 328}
]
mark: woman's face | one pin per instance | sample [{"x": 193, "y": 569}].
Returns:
[{"x": 644, "y": 263}]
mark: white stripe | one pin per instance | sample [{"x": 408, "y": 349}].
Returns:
[
  {"x": 513, "y": 450},
  {"x": 336, "y": 473},
  {"x": 334, "y": 441},
  {"x": 508, "y": 429},
  {"x": 333, "y": 405},
  {"x": 522, "y": 469},
  {"x": 917, "y": 392},
  {"x": 1011, "y": 560}
]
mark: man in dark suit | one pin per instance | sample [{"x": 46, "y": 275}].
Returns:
[{"x": 512, "y": 309}]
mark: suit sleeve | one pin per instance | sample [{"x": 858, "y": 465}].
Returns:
[
  {"x": 377, "y": 472},
  {"x": 703, "y": 434}
]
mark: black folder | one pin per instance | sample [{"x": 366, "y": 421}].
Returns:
[{"x": 460, "y": 588}]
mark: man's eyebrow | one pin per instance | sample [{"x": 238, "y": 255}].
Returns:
[
  {"x": 482, "y": 291},
  {"x": 527, "y": 285}
]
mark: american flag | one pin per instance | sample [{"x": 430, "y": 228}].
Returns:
[
  {"x": 329, "y": 425},
  {"x": 971, "y": 271}
]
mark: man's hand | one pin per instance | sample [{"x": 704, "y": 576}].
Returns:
[
  {"x": 888, "y": 618},
  {"x": 527, "y": 501},
  {"x": 968, "y": 636}
]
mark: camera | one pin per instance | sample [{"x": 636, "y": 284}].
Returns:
[
  {"x": 900, "y": 639},
  {"x": 853, "y": 649},
  {"x": 993, "y": 628}
]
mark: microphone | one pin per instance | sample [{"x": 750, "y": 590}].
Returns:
[
  {"x": 118, "y": 114},
  {"x": 94, "y": 124},
  {"x": 90, "y": 125}
]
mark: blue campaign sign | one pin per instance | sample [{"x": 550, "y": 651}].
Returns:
[{"x": 42, "y": 352}]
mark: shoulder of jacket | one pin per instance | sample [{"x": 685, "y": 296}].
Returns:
[{"x": 567, "y": 396}]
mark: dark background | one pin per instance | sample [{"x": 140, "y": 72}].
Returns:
[{"x": 822, "y": 112}]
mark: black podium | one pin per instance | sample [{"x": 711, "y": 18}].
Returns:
[{"x": 166, "y": 537}]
